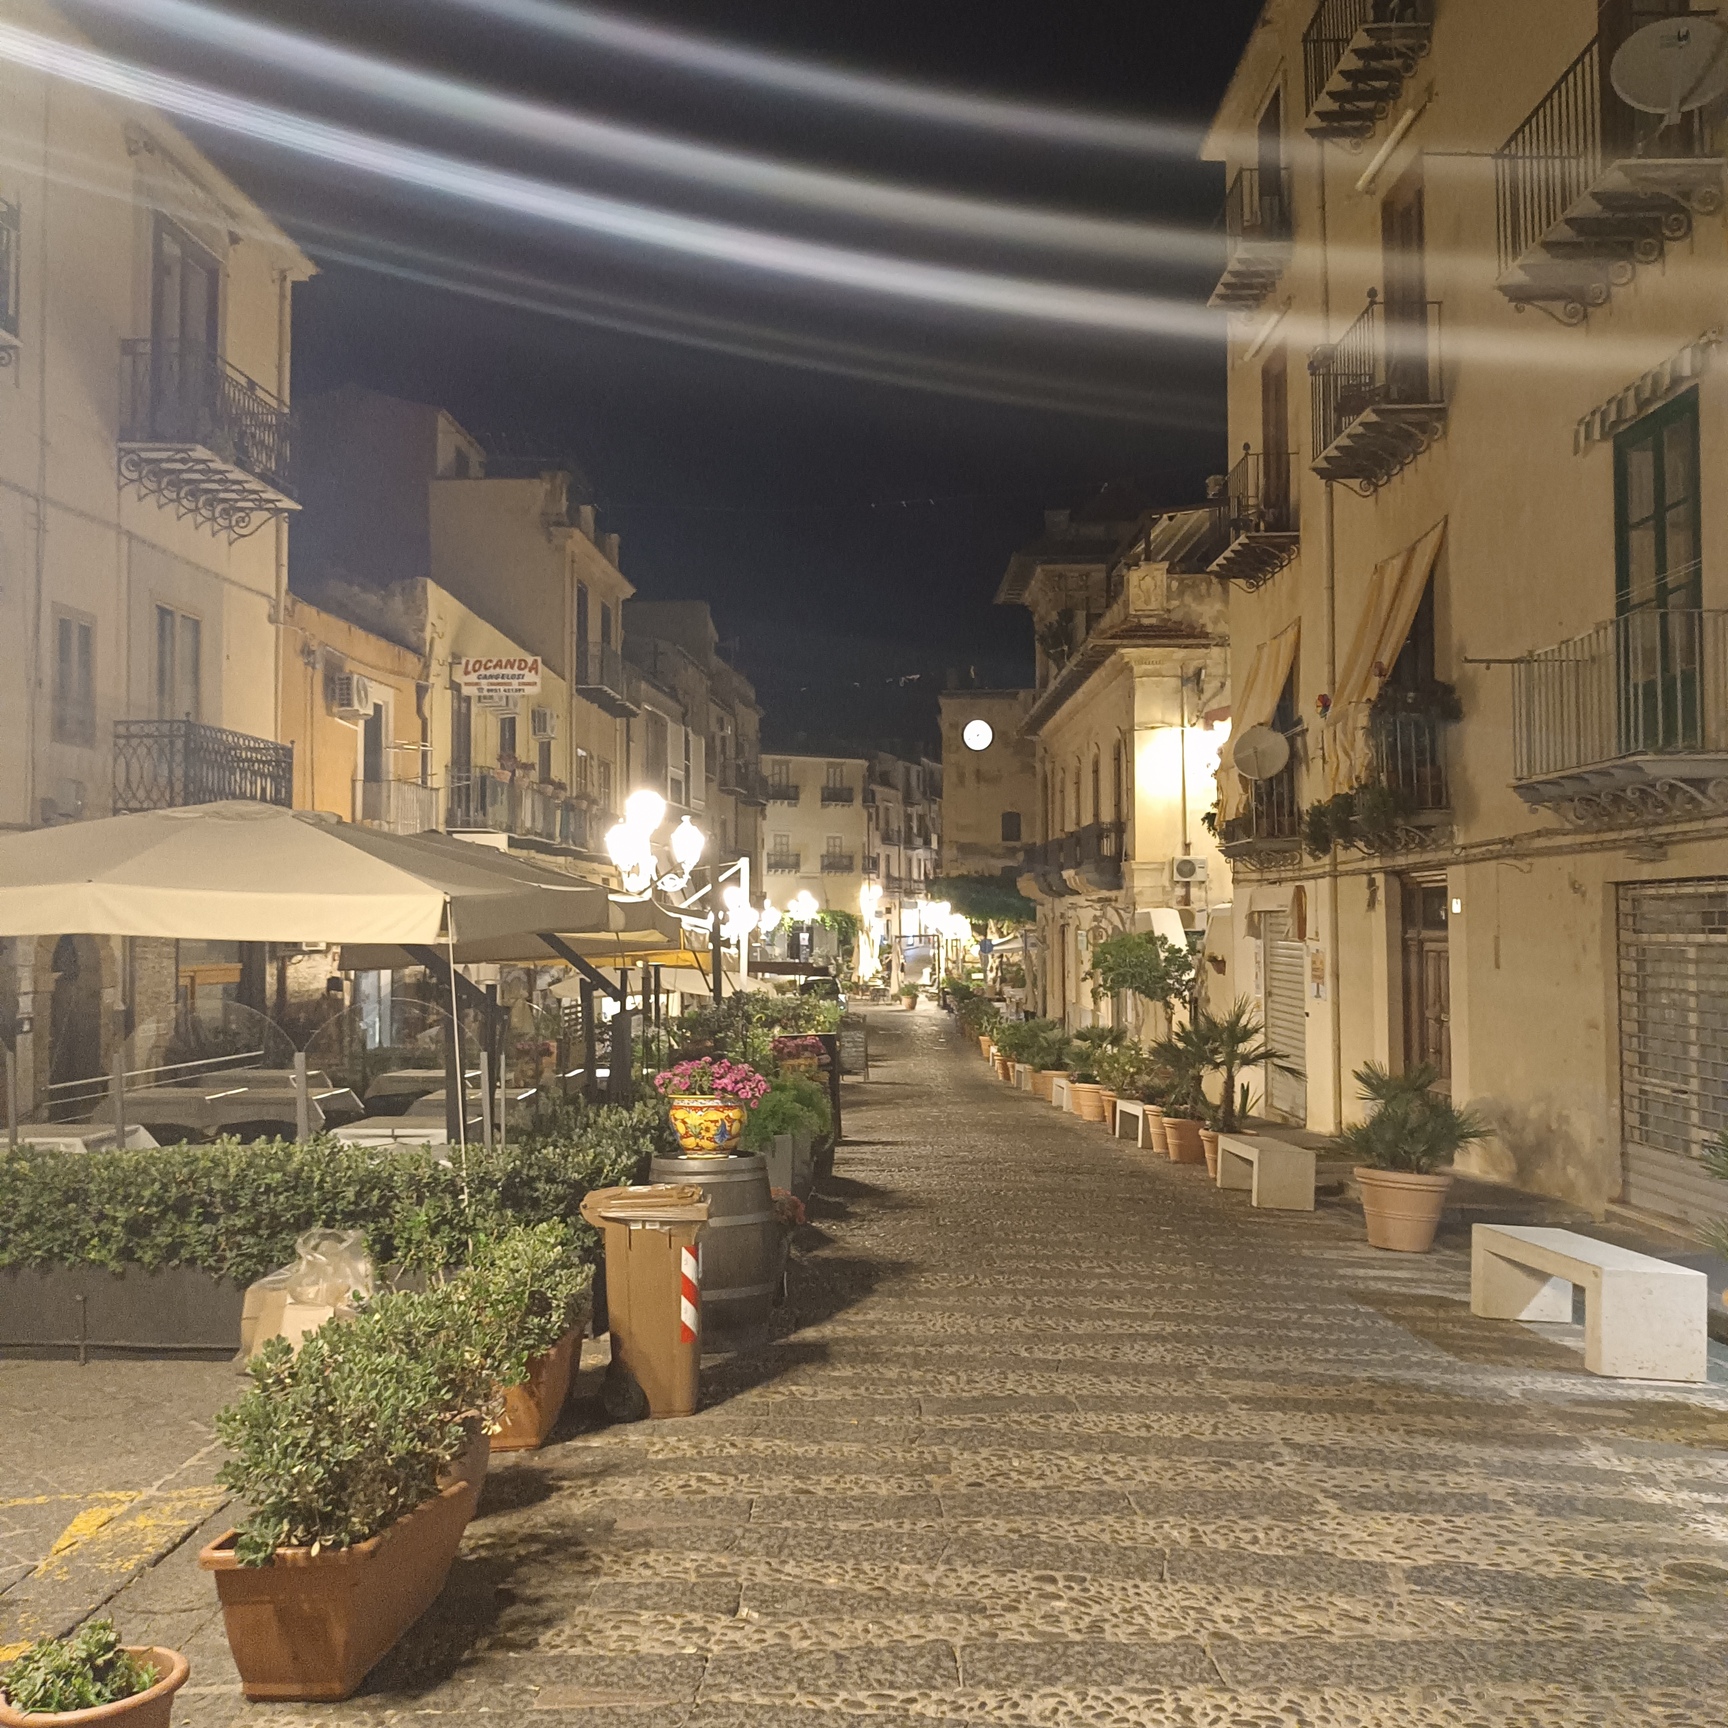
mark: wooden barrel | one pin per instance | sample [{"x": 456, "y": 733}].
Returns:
[{"x": 743, "y": 1250}]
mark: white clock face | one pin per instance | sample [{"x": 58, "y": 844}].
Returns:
[{"x": 977, "y": 735}]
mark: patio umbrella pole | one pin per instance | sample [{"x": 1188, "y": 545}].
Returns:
[
  {"x": 486, "y": 1098},
  {"x": 455, "y": 1085},
  {"x": 302, "y": 1099},
  {"x": 12, "y": 1099},
  {"x": 120, "y": 1097}
]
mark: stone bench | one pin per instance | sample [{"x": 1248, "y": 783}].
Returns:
[
  {"x": 1644, "y": 1319},
  {"x": 1060, "y": 1095},
  {"x": 1276, "y": 1174},
  {"x": 1132, "y": 1110}
]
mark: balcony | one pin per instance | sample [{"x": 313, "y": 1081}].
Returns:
[
  {"x": 1588, "y": 189},
  {"x": 1257, "y": 231},
  {"x": 839, "y": 795},
  {"x": 166, "y": 764},
  {"x": 397, "y": 806},
  {"x": 1087, "y": 860},
  {"x": 782, "y": 792},
  {"x": 1376, "y": 395},
  {"x": 1356, "y": 55},
  {"x": 1259, "y": 516},
  {"x": 782, "y": 863},
  {"x": 1627, "y": 724},
  {"x": 1269, "y": 830},
  {"x": 839, "y": 863},
  {"x": 603, "y": 678},
  {"x": 200, "y": 436},
  {"x": 744, "y": 781},
  {"x": 479, "y": 801}
]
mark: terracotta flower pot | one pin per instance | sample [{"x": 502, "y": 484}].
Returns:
[
  {"x": 148, "y": 1709},
  {"x": 1157, "y": 1129},
  {"x": 1183, "y": 1135},
  {"x": 1108, "y": 1099},
  {"x": 1042, "y": 1079},
  {"x": 707, "y": 1125},
  {"x": 532, "y": 1409},
  {"x": 314, "y": 1626},
  {"x": 1401, "y": 1209},
  {"x": 985, "y": 1045},
  {"x": 1209, "y": 1145},
  {"x": 1004, "y": 1067},
  {"x": 1086, "y": 1100}
]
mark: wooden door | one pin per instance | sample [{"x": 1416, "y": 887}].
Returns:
[{"x": 1427, "y": 981}]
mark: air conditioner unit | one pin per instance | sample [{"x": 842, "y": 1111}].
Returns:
[
  {"x": 545, "y": 722},
  {"x": 351, "y": 695},
  {"x": 1190, "y": 871}
]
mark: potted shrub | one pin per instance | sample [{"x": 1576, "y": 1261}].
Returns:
[
  {"x": 708, "y": 1099},
  {"x": 91, "y": 1677},
  {"x": 909, "y": 995},
  {"x": 530, "y": 1289},
  {"x": 339, "y": 1449},
  {"x": 1411, "y": 1132},
  {"x": 1121, "y": 1070}
]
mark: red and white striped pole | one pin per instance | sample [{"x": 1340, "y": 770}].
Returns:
[{"x": 689, "y": 1296}]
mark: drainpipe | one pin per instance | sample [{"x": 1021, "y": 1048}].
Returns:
[{"x": 1328, "y": 530}]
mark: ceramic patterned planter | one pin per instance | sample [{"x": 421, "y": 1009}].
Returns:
[{"x": 707, "y": 1125}]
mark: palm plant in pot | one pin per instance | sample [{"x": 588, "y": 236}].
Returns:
[
  {"x": 1086, "y": 1049},
  {"x": 90, "y": 1677},
  {"x": 1410, "y": 1133},
  {"x": 1183, "y": 1061},
  {"x": 1048, "y": 1053}
]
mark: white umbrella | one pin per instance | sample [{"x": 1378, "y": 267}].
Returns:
[{"x": 247, "y": 872}]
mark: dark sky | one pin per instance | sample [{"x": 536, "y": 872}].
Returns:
[{"x": 847, "y": 530}]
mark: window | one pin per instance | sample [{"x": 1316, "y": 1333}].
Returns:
[
  {"x": 1118, "y": 803},
  {"x": 778, "y": 773},
  {"x": 9, "y": 268},
  {"x": 74, "y": 680},
  {"x": 186, "y": 291},
  {"x": 835, "y": 843},
  {"x": 1403, "y": 237},
  {"x": 781, "y": 846},
  {"x": 506, "y": 739},
  {"x": 179, "y": 672},
  {"x": 1656, "y": 510},
  {"x": 654, "y": 756},
  {"x": 1011, "y": 826},
  {"x": 605, "y": 625},
  {"x": 1097, "y": 810},
  {"x": 836, "y": 774},
  {"x": 543, "y": 764},
  {"x": 373, "y": 760},
  {"x": 603, "y": 785}
]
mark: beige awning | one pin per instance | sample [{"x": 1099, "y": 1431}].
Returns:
[
  {"x": 1382, "y": 628},
  {"x": 1253, "y": 703},
  {"x": 247, "y": 872}
]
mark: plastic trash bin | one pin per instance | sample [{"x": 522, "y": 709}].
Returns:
[{"x": 653, "y": 1295}]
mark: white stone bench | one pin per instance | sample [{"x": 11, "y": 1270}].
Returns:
[
  {"x": 1276, "y": 1174},
  {"x": 1132, "y": 1110},
  {"x": 1644, "y": 1319},
  {"x": 1060, "y": 1095}
]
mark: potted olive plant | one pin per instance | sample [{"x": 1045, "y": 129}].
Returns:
[
  {"x": 90, "y": 1677},
  {"x": 1410, "y": 1133}
]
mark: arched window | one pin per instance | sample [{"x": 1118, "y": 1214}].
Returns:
[
  {"x": 1060, "y": 825},
  {"x": 1116, "y": 787},
  {"x": 1097, "y": 801}
]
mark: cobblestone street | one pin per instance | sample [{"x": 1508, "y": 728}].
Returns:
[{"x": 1055, "y": 1433}]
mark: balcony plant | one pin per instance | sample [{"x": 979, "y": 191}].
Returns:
[
  {"x": 708, "y": 1100},
  {"x": 1372, "y": 818},
  {"x": 90, "y": 1677},
  {"x": 1411, "y": 1131}
]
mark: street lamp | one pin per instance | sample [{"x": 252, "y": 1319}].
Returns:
[{"x": 630, "y": 846}]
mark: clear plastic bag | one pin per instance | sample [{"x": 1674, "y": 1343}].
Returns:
[{"x": 333, "y": 1269}]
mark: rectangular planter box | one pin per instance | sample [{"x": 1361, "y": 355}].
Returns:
[{"x": 81, "y": 1312}]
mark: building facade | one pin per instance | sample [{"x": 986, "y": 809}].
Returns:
[
  {"x": 989, "y": 782},
  {"x": 1132, "y": 682},
  {"x": 818, "y": 829},
  {"x": 147, "y": 472},
  {"x": 1477, "y": 803}
]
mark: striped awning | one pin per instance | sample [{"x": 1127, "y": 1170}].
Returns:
[{"x": 1649, "y": 391}]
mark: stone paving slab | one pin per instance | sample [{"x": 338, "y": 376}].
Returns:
[{"x": 1054, "y": 1433}]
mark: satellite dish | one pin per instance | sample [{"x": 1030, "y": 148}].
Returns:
[
  {"x": 1672, "y": 67},
  {"x": 1260, "y": 752}
]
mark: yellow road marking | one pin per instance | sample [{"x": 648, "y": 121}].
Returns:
[
  {"x": 85, "y": 1525},
  {"x": 113, "y": 1538}
]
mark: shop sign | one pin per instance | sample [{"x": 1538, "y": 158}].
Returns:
[{"x": 497, "y": 675}]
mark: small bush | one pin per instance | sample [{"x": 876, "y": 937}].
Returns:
[{"x": 59, "y": 1675}]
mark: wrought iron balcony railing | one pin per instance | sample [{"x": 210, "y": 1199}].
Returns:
[
  {"x": 839, "y": 863},
  {"x": 1407, "y": 757},
  {"x": 397, "y": 806},
  {"x": 1356, "y": 55},
  {"x": 1093, "y": 852},
  {"x": 478, "y": 800},
  {"x": 1587, "y": 189},
  {"x": 1271, "y": 821},
  {"x": 782, "y": 792},
  {"x": 743, "y": 780},
  {"x": 1376, "y": 394},
  {"x": 839, "y": 795},
  {"x": 199, "y": 435},
  {"x": 606, "y": 679},
  {"x": 166, "y": 764},
  {"x": 782, "y": 863},
  {"x": 1257, "y": 234},
  {"x": 1259, "y": 514},
  {"x": 1628, "y": 722}
]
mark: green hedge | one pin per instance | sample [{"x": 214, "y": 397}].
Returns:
[{"x": 234, "y": 1210}]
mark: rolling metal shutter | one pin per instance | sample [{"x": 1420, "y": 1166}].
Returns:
[
  {"x": 1673, "y": 1043},
  {"x": 1286, "y": 965}
]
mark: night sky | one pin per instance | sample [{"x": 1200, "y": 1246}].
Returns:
[{"x": 848, "y": 529}]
